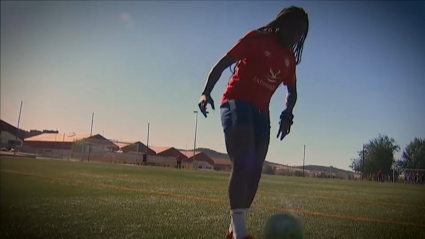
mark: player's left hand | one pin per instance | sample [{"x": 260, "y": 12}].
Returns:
[{"x": 285, "y": 123}]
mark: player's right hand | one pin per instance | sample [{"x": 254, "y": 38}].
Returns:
[
  {"x": 286, "y": 120},
  {"x": 203, "y": 102}
]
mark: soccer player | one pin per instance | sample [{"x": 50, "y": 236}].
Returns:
[
  {"x": 265, "y": 58},
  {"x": 179, "y": 161},
  {"x": 380, "y": 179}
]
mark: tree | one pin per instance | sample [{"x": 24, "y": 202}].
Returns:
[
  {"x": 79, "y": 146},
  {"x": 378, "y": 154},
  {"x": 268, "y": 169},
  {"x": 413, "y": 156},
  {"x": 356, "y": 164}
]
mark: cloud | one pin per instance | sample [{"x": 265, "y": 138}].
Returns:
[{"x": 125, "y": 17}]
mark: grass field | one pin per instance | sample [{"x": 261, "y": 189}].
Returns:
[{"x": 60, "y": 199}]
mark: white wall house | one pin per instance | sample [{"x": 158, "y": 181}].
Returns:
[
  {"x": 203, "y": 165},
  {"x": 7, "y": 138},
  {"x": 97, "y": 149}
]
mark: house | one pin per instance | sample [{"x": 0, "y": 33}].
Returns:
[
  {"x": 137, "y": 147},
  {"x": 10, "y": 135},
  {"x": 10, "y": 139},
  {"x": 53, "y": 141},
  {"x": 58, "y": 145},
  {"x": 99, "y": 143},
  {"x": 201, "y": 160},
  {"x": 223, "y": 164},
  {"x": 204, "y": 161},
  {"x": 168, "y": 152}
]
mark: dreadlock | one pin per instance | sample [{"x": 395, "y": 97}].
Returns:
[{"x": 283, "y": 18}]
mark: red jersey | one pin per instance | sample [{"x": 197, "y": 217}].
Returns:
[{"x": 264, "y": 65}]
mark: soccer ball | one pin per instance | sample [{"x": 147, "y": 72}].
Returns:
[{"x": 283, "y": 226}]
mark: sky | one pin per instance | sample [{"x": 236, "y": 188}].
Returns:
[{"x": 132, "y": 63}]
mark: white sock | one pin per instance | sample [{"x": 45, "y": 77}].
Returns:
[
  {"x": 237, "y": 225},
  {"x": 246, "y": 219}
]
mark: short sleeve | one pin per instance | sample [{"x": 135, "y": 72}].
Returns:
[
  {"x": 242, "y": 48},
  {"x": 290, "y": 80}
]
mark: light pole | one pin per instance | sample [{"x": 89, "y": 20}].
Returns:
[
  {"x": 196, "y": 129},
  {"x": 147, "y": 141},
  {"x": 363, "y": 159},
  {"x": 304, "y": 160}
]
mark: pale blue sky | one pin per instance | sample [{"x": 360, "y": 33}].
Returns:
[{"x": 362, "y": 74}]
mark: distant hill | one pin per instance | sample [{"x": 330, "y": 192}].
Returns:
[
  {"x": 323, "y": 169},
  {"x": 214, "y": 154},
  {"x": 211, "y": 153}
]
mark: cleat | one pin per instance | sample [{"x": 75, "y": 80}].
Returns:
[{"x": 229, "y": 235}]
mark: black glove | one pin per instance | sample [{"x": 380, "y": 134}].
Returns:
[
  {"x": 285, "y": 122},
  {"x": 203, "y": 102}
]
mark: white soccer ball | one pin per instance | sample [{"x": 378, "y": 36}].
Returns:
[{"x": 283, "y": 226}]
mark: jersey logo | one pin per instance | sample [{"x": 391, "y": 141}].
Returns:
[
  {"x": 267, "y": 53},
  {"x": 286, "y": 62},
  {"x": 273, "y": 76}
]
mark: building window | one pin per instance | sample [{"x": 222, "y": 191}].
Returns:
[{"x": 14, "y": 142}]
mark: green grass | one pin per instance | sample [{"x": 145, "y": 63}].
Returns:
[{"x": 60, "y": 199}]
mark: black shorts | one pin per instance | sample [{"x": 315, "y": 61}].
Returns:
[
  {"x": 247, "y": 151},
  {"x": 243, "y": 113}
]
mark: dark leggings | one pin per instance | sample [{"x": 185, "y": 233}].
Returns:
[{"x": 247, "y": 136}]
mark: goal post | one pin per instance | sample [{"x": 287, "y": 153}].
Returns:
[{"x": 409, "y": 174}]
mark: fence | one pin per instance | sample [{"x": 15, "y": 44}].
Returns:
[
  {"x": 114, "y": 151},
  {"x": 129, "y": 158},
  {"x": 46, "y": 152},
  {"x": 100, "y": 149}
]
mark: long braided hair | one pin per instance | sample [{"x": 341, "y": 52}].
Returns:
[{"x": 285, "y": 17}]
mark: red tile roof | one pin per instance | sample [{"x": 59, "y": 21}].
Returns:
[
  {"x": 159, "y": 150},
  {"x": 47, "y": 137},
  {"x": 122, "y": 145},
  {"x": 135, "y": 146},
  {"x": 189, "y": 154},
  {"x": 96, "y": 139}
]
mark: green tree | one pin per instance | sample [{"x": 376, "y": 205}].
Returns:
[
  {"x": 356, "y": 164},
  {"x": 413, "y": 156},
  {"x": 378, "y": 154},
  {"x": 268, "y": 169},
  {"x": 79, "y": 146}
]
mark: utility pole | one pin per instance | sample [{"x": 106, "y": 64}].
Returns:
[
  {"x": 91, "y": 132},
  {"x": 196, "y": 129},
  {"x": 330, "y": 171},
  {"x": 363, "y": 159},
  {"x": 17, "y": 129}
]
